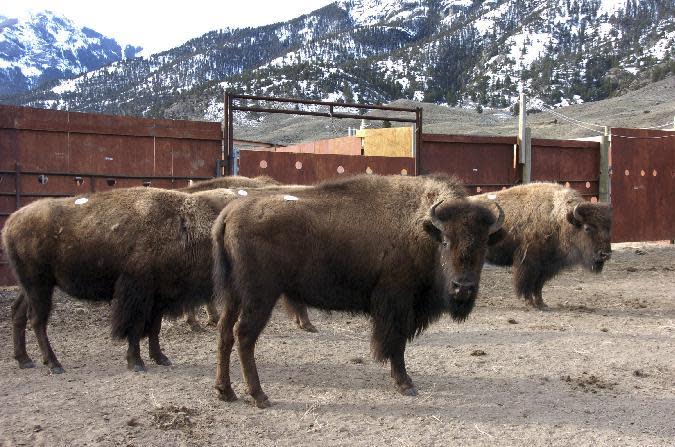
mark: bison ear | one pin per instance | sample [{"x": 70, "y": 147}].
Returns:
[{"x": 432, "y": 231}]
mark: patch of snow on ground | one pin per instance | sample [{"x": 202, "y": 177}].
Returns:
[
  {"x": 664, "y": 46},
  {"x": 65, "y": 87}
]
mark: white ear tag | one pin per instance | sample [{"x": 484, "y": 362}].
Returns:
[
  {"x": 81, "y": 201},
  {"x": 243, "y": 193},
  {"x": 290, "y": 198},
  {"x": 492, "y": 196}
]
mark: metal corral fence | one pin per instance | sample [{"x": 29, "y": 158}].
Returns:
[
  {"x": 48, "y": 153},
  {"x": 45, "y": 153}
]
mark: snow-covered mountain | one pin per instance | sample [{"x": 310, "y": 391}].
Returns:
[
  {"x": 444, "y": 51},
  {"x": 42, "y": 47}
]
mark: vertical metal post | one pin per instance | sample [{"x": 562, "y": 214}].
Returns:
[
  {"x": 604, "y": 183},
  {"x": 418, "y": 140},
  {"x": 230, "y": 137},
  {"x": 226, "y": 132},
  {"x": 524, "y": 141},
  {"x": 223, "y": 136}
]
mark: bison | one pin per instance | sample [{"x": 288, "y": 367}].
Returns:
[
  {"x": 548, "y": 228},
  {"x": 403, "y": 250},
  {"x": 298, "y": 313},
  {"x": 146, "y": 250}
]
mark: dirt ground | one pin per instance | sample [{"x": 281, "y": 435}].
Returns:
[{"x": 598, "y": 369}]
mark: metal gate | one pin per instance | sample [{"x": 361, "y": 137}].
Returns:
[{"x": 643, "y": 184}]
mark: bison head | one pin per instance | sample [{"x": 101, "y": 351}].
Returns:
[
  {"x": 462, "y": 229},
  {"x": 591, "y": 234}
]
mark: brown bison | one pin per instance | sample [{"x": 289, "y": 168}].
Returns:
[
  {"x": 230, "y": 182},
  {"x": 548, "y": 228},
  {"x": 298, "y": 313},
  {"x": 146, "y": 250},
  {"x": 403, "y": 250}
]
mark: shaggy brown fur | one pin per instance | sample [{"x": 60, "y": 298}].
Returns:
[
  {"x": 230, "y": 182},
  {"x": 543, "y": 237},
  {"x": 296, "y": 312},
  {"x": 147, "y": 250},
  {"x": 365, "y": 244}
]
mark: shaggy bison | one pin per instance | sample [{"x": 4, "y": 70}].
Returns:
[
  {"x": 146, "y": 250},
  {"x": 548, "y": 228},
  {"x": 402, "y": 250},
  {"x": 298, "y": 313}
]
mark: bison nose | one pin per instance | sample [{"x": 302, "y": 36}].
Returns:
[{"x": 464, "y": 290}]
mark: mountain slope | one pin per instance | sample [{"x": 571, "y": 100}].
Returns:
[
  {"x": 456, "y": 52},
  {"x": 45, "y": 47}
]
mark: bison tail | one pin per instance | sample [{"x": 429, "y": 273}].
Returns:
[{"x": 222, "y": 265}]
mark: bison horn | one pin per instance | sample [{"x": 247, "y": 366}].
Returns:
[
  {"x": 576, "y": 214},
  {"x": 435, "y": 221},
  {"x": 500, "y": 220}
]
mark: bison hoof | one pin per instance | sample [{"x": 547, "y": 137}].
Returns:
[
  {"x": 408, "y": 390},
  {"x": 308, "y": 327},
  {"x": 542, "y": 307},
  {"x": 56, "y": 370},
  {"x": 262, "y": 404},
  {"x": 212, "y": 323},
  {"x": 137, "y": 367},
  {"x": 162, "y": 360},
  {"x": 26, "y": 364},
  {"x": 226, "y": 394}
]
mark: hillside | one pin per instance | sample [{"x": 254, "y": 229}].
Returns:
[
  {"x": 649, "y": 106},
  {"x": 449, "y": 52},
  {"x": 45, "y": 47}
]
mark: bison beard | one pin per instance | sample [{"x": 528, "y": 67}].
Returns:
[{"x": 367, "y": 244}]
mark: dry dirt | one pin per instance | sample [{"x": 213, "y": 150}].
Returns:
[{"x": 598, "y": 369}]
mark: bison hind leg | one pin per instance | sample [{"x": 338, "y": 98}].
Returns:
[
  {"x": 39, "y": 308},
  {"x": 19, "y": 320}
]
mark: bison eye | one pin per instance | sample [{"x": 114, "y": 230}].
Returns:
[
  {"x": 444, "y": 243},
  {"x": 588, "y": 228}
]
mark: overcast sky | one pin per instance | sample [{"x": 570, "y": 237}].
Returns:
[{"x": 159, "y": 25}]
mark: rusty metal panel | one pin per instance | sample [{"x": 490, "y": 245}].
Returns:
[
  {"x": 39, "y": 150},
  {"x": 482, "y": 163},
  {"x": 576, "y": 164},
  {"x": 642, "y": 184},
  {"x": 307, "y": 169},
  {"x": 111, "y": 154},
  {"x": 385, "y": 165},
  {"x": 189, "y": 158},
  {"x": 14, "y": 117},
  {"x": 65, "y": 153}
]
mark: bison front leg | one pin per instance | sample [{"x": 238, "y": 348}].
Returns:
[
  {"x": 191, "y": 320},
  {"x": 19, "y": 320},
  {"x": 212, "y": 314},
  {"x": 389, "y": 344},
  {"x": 298, "y": 311},
  {"x": 153, "y": 341}
]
